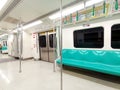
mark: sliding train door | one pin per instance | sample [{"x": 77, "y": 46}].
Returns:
[
  {"x": 43, "y": 43},
  {"x": 52, "y": 46},
  {"x": 47, "y": 43}
]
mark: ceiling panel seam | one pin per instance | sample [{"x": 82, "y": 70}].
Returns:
[{"x": 9, "y": 9}]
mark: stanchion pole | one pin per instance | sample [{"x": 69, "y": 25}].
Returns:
[
  {"x": 20, "y": 45},
  {"x": 60, "y": 42}
]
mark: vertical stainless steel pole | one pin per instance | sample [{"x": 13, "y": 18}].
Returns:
[
  {"x": 54, "y": 36},
  {"x": 20, "y": 66},
  {"x": 20, "y": 45},
  {"x": 20, "y": 69},
  {"x": 60, "y": 33}
]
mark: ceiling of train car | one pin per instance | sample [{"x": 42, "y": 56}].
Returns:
[
  {"x": 29, "y": 10},
  {"x": 3, "y": 26},
  {"x": 5, "y": 7}
]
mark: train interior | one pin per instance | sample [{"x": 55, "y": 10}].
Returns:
[{"x": 60, "y": 44}]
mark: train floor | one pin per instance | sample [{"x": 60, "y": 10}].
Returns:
[
  {"x": 39, "y": 75},
  {"x": 6, "y": 58}
]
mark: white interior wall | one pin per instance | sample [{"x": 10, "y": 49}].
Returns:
[
  {"x": 10, "y": 38},
  {"x": 26, "y": 47},
  {"x": 12, "y": 45},
  {"x": 68, "y": 41}
]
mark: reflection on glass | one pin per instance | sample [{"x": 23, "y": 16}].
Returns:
[
  {"x": 52, "y": 40},
  {"x": 89, "y": 38},
  {"x": 42, "y": 41},
  {"x": 115, "y": 36}
]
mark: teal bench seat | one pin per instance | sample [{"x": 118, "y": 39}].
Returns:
[
  {"x": 4, "y": 48},
  {"x": 104, "y": 61}
]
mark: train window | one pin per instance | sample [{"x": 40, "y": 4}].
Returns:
[
  {"x": 89, "y": 38},
  {"x": 115, "y": 36},
  {"x": 52, "y": 40},
  {"x": 6, "y": 43},
  {"x": 42, "y": 41}
]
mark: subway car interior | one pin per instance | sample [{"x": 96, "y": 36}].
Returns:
[{"x": 59, "y": 44}]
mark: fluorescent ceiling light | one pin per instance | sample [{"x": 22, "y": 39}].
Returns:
[
  {"x": 28, "y": 25},
  {"x": 15, "y": 31},
  {"x": 32, "y": 24},
  {"x": 74, "y": 8},
  {"x": 3, "y": 35},
  {"x": 92, "y": 2},
  {"x": 2, "y": 3},
  {"x": 67, "y": 11}
]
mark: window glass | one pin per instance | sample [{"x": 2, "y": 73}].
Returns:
[
  {"x": 89, "y": 38},
  {"x": 52, "y": 40},
  {"x": 115, "y": 36},
  {"x": 6, "y": 43},
  {"x": 42, "y": 41}
]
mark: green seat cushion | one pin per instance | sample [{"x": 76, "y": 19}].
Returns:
[
  {"x": 104, "y": 61},
  {"x": 101, "y": 56},
  {"x": 4, "y": 48}
]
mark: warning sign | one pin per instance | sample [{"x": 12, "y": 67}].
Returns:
[{"x": 34, "y": 35}]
